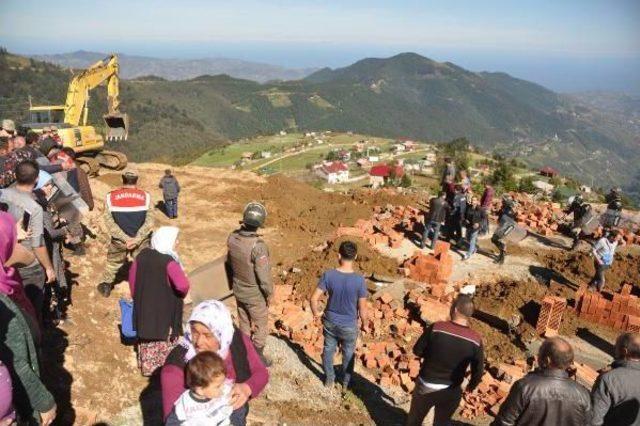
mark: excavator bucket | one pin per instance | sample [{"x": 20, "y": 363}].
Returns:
[{"x": 117, "y": 125}]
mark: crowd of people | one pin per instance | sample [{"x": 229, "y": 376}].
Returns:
[
  {"x": 460, "y": 215},
  {"x": 211, "y": 368},
  {"x": 457, "y": 208}
]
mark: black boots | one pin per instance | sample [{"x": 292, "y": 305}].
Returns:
[{"x": 105, "y": 289}]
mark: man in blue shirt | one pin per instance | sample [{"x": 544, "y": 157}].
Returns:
[{"x": 347, "y": 299}]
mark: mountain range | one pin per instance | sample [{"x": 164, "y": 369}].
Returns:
[
  {"x": 406, "y": 95},
  {"x": 180, "y": 69}
]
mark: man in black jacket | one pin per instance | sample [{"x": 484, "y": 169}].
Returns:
[
  {"x": 447, "y": 349},
  {"x": 475, "y": 216},
  {"x": 616, "y": 393},
  {"x": 438, "y": 210},
  {"x": 547, "y": 396}
]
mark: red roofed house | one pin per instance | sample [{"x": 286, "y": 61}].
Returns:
[
  {"x": 549, "y": 172},
  {"x": 380, "y": 174},
  {"x": 334, "y": 172}
]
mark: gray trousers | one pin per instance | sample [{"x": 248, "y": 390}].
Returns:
[{"x": 33, "y": 281}]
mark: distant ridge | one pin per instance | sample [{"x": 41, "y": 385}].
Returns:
[
  {"x": 406, "y": 95},
  {"x": 180, "y": 69}
]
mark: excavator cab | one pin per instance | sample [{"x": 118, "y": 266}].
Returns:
[{"x": 117, "y": 126}]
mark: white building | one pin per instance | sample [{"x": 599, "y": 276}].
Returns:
[
  {"x": 265, "y": 154},
  {"x": 543, "y": 186},
  {"x": 334, "y": 172},
  {"x": 399, "y": 147}
]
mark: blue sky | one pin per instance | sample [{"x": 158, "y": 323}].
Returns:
[{"x": 566, "y": 45}]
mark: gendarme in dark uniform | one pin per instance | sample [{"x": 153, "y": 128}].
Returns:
[{"x": 250, "y": 271}]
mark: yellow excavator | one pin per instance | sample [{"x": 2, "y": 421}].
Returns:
[{"x": 71, "y": 118}]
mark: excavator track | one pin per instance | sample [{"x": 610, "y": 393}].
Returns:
[
  {"x": 90, "y": 165},
  {"x": 113, "y": 160}
]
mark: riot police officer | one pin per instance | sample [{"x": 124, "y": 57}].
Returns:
[
  {"x": 582, "y": 215},
  {"x": 614, "y": 208},
  {"x": 249, "y": 269}
]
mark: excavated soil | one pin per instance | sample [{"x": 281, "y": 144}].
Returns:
[
  {"x": 577, "y": 266},
  {"x": 304, "y": 216},
  {"x": 309, "y": 268},
  {"x": 498, "y": 303}
]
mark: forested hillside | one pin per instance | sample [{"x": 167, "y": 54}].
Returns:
[{"x": 403, "y": 96}]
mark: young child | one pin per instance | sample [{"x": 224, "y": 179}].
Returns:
[{"x": 206, "y": 402}]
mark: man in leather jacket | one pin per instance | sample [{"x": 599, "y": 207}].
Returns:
[
  {"x": 616, "y": 393},
  {"x": 547, "y": 396}
]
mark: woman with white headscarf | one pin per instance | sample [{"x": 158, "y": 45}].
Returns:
[
  {"x": 210, "y": 328},
  {"x": 158, "y": 285}
]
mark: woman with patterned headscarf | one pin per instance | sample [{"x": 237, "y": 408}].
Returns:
[{"x": 210, "y": 328}]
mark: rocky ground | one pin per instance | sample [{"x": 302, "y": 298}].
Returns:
[{"x": 94, "y": 375}]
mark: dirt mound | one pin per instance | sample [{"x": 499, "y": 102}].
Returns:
[
  {"x": 577, "y": 266},
  {"x": 304, "y": 216},
  {"x": 312, "y": 265},
  {"x": 498, "y": 303}
]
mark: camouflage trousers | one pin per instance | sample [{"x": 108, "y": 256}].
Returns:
[
  {"x": 117, "y": 256},
  {"x": 253, "y": 316}
]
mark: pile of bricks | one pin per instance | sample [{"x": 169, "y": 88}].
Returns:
[
  {"x": 429, "y": 308},
  {"x": 492, "y": 390},
  {"x": 538, "y": 217},
  {"x": 385, "y": 352},
  {"x": 386, "y": 227},
  {"x": 390, "y": 364},
  {"x": 550, "y": 315},
  {"x": 434, "y": 269},
  {"x": 630, "y": 236},
  {"x": 622, "y": 312}
]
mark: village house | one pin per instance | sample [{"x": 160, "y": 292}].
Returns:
[
  {"x": 399, "y": 148},
  {"x": 246, "y": 156},
  {"x": 359, "y": 146},
  {"x": 549, "y": 172},
  {"x": 333, "y": 172},
  {"x": 344, "y": 155},
  {"x": 265, "y": 154},
  {"x": 379, "y": 174},
  {"x": 431, "y": 156},
  {"x": 410, "y": 145}
]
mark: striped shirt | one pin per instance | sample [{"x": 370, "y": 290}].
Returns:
[{"x": 447, "y": 350}]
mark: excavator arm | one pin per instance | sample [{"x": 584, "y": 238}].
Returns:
[{"x": 76, "y": 110}]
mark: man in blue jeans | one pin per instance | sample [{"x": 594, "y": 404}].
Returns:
[
  {"x": 475, "y": 216},
  {"x": 347, "y": 299},
  {"x": 170, "y": 191}
]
